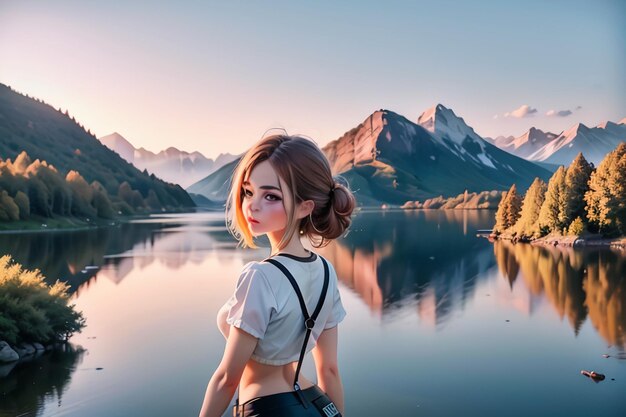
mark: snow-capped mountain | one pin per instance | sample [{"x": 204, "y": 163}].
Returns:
[
  {"x": 171, "y": 164},
  {"x": 444, "y": 123},
  {"x": 389, "y": 159},
  {"x": 525, "y": 145},
  {"x": 393, "y": 159},
  {"x": 452, "y": 130},
  {"x": 593, "y": 142}
]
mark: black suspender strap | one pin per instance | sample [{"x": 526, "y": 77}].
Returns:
[{"x": 309, "y": 321}]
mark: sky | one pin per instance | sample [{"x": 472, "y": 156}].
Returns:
[{"x": 215, "y": 76}]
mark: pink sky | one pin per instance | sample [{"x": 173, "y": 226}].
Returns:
[{"x": 215, "y": 77}]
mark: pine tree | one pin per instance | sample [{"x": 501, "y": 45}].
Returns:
[
  {"x": 515, "y": 206},
  {"x": 606, "y": 198},
  {"x": 501, "y": 216},
  {"x": 508, "y": 210},
  {"x": 526, "y": 226},
  {"x": 551, "y": 207},
  {"x": 576, "y": 185}
]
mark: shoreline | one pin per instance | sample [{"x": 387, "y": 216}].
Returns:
[
  {"x": 70, "y": 224},
  {"x": 581, "y": 242}
]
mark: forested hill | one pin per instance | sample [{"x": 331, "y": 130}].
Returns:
[{"x": 28, "y": 124}]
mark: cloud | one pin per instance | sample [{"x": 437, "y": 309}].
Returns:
[
  {"x": 522, "y": 111},
  {"x": 579, "y": 107},
  {"x": 560, "y": 113}
]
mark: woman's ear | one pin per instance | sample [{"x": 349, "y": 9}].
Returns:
[{"x": 304, "y": 209}]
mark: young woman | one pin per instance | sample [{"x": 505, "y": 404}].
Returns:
[{"x": 288, "y": 304}]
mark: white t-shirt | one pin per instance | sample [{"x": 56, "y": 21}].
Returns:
[{"x": 266, "y": 306}]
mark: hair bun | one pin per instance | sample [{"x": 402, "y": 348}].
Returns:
[{"x": 342, "y": 200}]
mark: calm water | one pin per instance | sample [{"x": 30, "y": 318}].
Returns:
[{"x": 440, "y": 322}]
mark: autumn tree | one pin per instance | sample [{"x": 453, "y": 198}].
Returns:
[
  {"x": 22, "y": 161},
  {"x": 549, "y": 220},
  {"x": 576, "y": 185},
  {"x": 59, "y": 194},
  {"x": 82, "y": 194},
  {"x": 526, "y": 226},
  {"x": 508, "y": 210},
  {"x": 606, "y": 198}
]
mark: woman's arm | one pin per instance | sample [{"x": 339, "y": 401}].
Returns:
[
  {"x": 224, "y": 382},
  {"x": 325, "y": 356}
]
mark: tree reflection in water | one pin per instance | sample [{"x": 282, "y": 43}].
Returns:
[
  {"x": 431, "y": 260},
  {"x": 579, "y": 283},
  {"x": 30, "y": 384},
  {"x": 118, "y": 249}
]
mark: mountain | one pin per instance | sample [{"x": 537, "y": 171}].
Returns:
[
  {"x": 28, "y": 124},
  {"x": 389, "y": 159},
  {"x": 593, "y": 142},
  {"x": 119, "y": 144},
  {"x": 215, "y": 186},
  {"x": 525, "y": 145},
  {"x": 171, "y": 164}
]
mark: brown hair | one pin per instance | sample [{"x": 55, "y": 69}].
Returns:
[{"x": 306, "y": 171}]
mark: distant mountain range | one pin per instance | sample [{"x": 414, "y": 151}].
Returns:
[
  {"x": 47, "y": 134},
  {"x": 390, "y": 159},
  {"x": 549, "y": 148},
  {"x": 525, "y": 145},
  {"x": 172, "y": 165}
]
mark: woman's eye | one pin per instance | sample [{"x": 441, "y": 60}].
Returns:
[
  {"x": 247, "y": 193},
  {"x": 272, "y": 197}
]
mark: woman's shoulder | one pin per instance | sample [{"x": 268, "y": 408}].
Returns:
[{"x": 257, "y": 269}]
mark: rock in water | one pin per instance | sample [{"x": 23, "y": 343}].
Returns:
[{"x": 7, "y": 354}]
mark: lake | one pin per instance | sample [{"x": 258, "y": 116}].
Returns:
[{"x": 440, "y": 322}]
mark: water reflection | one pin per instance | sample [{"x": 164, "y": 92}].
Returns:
[
  {"x": 431, "y": 262},
  {"x": 425, "y": 260},
  {"x": 577, "y": 283},
  {"x": 424, "y": 264},
  {"x": 31, "y": 384},
  {"x": 115, "y": 251}
]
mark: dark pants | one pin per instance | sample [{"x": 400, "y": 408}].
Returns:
[{"x": 288, "y": 404}]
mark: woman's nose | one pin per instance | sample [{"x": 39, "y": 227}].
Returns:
[{"x": 254, "y": 204}]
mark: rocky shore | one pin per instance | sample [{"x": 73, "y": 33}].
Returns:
[{"x": 11, "y": 355}]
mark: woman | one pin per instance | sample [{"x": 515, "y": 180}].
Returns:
[{"x": 282, "y": 188}]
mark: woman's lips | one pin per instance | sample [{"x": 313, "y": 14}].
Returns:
[{"x": 251, "y": 220}]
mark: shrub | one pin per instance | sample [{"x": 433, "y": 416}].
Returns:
[{"x": 33, "y": 311}]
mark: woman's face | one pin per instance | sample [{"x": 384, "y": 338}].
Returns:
[{"x": 263, "y": 199}]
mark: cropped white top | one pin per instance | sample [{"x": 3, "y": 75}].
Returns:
[{"x": 266, "y": 306}]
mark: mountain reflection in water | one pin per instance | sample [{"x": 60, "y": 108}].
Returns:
[
  {"x": 425, "y": 259},
  {"x": 417, "y": 284}
]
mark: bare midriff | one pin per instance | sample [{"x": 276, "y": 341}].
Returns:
[{"x": 259, "y": 379}]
